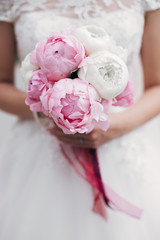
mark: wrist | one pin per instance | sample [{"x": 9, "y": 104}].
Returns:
[{"x": 121, "y": 122}]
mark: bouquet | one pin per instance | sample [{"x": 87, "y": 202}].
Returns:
[{"x": 74, "y": 77}]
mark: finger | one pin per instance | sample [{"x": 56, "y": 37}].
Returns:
[
  {"x": 59, "y": 133},
  {"x": 78, "y": 140},
  {"x": 77, "y": 143},
  {"x": 56, "y": 131}
]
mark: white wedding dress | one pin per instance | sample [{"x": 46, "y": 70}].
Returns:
[{"x": 41, "y": 196}]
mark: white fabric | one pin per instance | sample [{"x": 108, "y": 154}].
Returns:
[
  {"x": 41, "y": 195},
  {"x": 12, "y": 9}
]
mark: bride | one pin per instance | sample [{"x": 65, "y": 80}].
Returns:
[{"x": 41, "y": 196}]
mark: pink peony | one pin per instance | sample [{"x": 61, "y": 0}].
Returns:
[
  {"x": 74, "y": 105},
  {"x": 126, "y": 98},
  {"x": 58, "y": 56},
  {"x": 37, "y": 85}
]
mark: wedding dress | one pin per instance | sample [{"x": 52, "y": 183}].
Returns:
[{"x": 41, "y": 196}]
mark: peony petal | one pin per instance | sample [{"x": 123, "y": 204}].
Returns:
[
  {"x": 126, "y": 98},
  {"x": 108, "y": 74}
]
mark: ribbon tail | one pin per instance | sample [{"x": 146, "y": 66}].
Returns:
[
  {"x": 93, "y": 153},
  {"x": 90, "y": 172},
  {"x": 110, "y": 196}
]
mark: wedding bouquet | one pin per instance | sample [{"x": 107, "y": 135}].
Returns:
[{"x": 74, "y": 77}]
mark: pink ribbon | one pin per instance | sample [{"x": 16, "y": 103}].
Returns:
[{"x": 80, "y": 160}]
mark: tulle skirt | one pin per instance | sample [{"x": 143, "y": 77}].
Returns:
[{"x": 42, "y": 197}]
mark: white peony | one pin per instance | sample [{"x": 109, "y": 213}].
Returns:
[
  {"x": 27, "y": 68},
  {"x": 95, "y": 39},
  {"x": 108, "y": 74}
]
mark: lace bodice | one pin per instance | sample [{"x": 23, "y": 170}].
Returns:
[
  {"x": 36, "y": 19},
  {"x": 11, "y": 9},
  {"x": 122, "y": 19}
]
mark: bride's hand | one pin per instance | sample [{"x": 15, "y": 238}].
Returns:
[{"x": 97, "y": 137}]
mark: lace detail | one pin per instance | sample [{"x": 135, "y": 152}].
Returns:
[
  {"x": 85, "y": 9},
  {"x": 81, "y": 9},
  {"x": 152, "y": 4},
  {"x": 10, "y": 10},
  {"x": 5, "y": 11},
  {"x": 131, "y": 159}
]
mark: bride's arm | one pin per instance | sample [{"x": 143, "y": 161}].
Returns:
[
  {"x": 149, "y": 104},
  {"x": 11, "y": 99}
]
